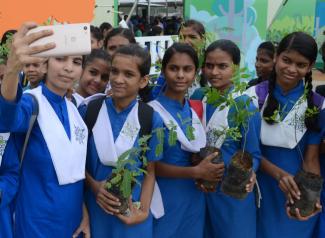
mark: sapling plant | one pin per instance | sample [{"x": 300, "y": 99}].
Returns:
[
  {"x": 127, "y": 170},
  {"x": 5, "y": 48},
  {"x": 239, "y": 170},
  {"x": 132, "y": 164}
]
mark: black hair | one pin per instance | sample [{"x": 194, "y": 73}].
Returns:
[
  {"x": 155, "y": 31},
  {"x": 306, "y": 46},
  {"x": 144, "y": 66},
  {"x": 180, "y": 48},
  {"x": 124, "y": 32},
  {"x": 96, "y": 54},
  {"x": 96, "y": 33},
  {"x": 105, "y": 26},
  {"x": 268, "y": 47},
  {"x": 227, "y": 46},
  {"x": 196, "y": 25}
]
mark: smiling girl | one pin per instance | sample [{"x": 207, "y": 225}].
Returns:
[
  {"x": 184, "y": 204},
  {"x": 49, "y": 202},
  {"x": 290, "y": 137},
  {"x": 94, "y": 77}
]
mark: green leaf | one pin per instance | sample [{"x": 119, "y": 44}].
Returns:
[
  {"x": 245, "y": 76},
  {"x": 190, "y": 132},
  {"x": 159, "y": 149},
  {"x": 116, "y": 179},
  {"x": 126, "y": 184},
  {"x": 108, "y": 185},
  {"x": 172, "y": 137}
]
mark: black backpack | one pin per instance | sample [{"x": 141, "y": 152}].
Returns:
[{"x": 145, "y": 114}]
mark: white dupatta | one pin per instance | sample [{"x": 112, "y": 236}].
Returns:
[
  {"x": 3, "y": 142},
  {"x": 199, "y": 132},
  {"x": 68, "y": 155},
  {"x": 287, "y": 132}
]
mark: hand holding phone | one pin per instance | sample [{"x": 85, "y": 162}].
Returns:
[{"x": 69, "y": 39}]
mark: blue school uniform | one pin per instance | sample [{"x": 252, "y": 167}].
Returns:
[
  {"x": 229, "y": 217},
  {"x": 320, "y": 232},
  {"x": 103, "y": 224},
  {"x": 43, "y": 207},
  {"x": 9, "y": 176},
  {"x": 184, "y": 204},
  {"x": 272, "y": 218},
  {"x": 158, "y": 87}
]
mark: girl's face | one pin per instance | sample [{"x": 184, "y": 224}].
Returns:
[
  {"x": 62, "y": 72},
  {"x": 125, "y": 77},
  {"x": 94, "y": 77},
  {"x": 34, "y": 72},
  {"x": 218, "y": 69},
  {"x": 290, "y": 68},
  {"x": 179, "y": 73},
  {"x": 189, "y": 36},
  {"x": 95, "y": 44},
  {"x": 116, "y": 42},
  {"x": 264, "y": 64}
]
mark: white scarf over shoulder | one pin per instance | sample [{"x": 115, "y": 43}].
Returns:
[
  {"x": 3, "y": 142},
  {"x": 199, "y": 132},
  {"x": 287, "y": 132},
  {"x": 68, "y": 155}
]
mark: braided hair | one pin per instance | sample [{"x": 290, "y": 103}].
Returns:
[{"x": 306, "y": 46}]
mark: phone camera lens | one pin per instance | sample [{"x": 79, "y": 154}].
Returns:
[{"x": 85, "y": 28}]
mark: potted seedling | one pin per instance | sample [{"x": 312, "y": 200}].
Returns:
[
  {"x": 310, "y": 186},
  {"x": 124, "y": 175},
  {"x": 198, "y": 157},
  {"x": 240, "y": 168},
  {"x": 239, "y": 172}
]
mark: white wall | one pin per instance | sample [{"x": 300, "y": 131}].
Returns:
[{"x": 100, "y": 12}]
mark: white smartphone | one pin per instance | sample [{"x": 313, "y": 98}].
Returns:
[{"x": 70, "y": 39}]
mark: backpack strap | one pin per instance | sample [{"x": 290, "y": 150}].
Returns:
[
  {"x": 262, "y": 90},
  {"x": 197, "y": 106},
  {"x": 145, "y": 115},
  {"x": 30, "y": 127},
  {"x": 318, "y": 100},
  {"x": 73, "y": 100},
  {"x": 92, "y": 112}
]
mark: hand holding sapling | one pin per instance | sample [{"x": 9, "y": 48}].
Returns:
[
  {"x": 208, "y": 171},
  {"x": 298, "y": 216},
  {"x": 251, "y": 184},
  {"x": 289, "y": 187},
  {"x": 135, "y": 215},
  {"x": 106, "y": 200}
]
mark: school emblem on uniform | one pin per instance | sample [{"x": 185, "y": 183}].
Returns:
[
  {"x": 3, "y": 143},
  {"x": 130, "y": 130},
  {"x": 79, "y": 134}
]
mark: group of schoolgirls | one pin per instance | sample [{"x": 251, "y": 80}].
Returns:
[{"x": 59, "y": 188}]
